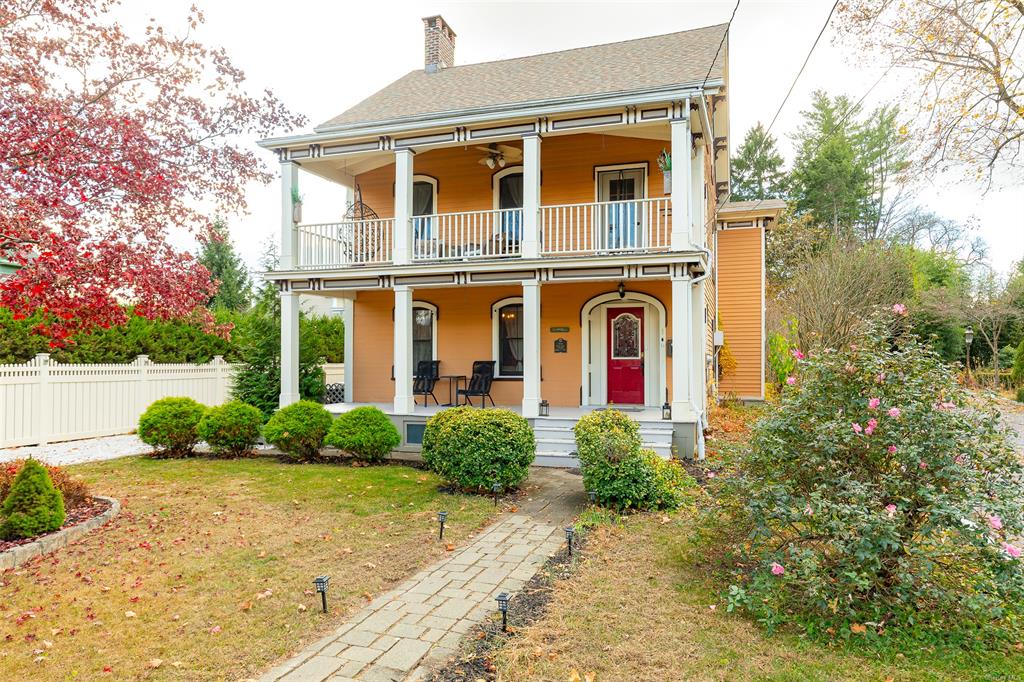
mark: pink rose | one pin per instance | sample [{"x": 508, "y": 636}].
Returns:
[
  {"x": 900, "y": 309},
  {"x": 874, "y": 403},
  {"x": 872, "y": 425},
  {"x": 779, "y": 569},
  {"x": 894, "y": 412},
  {"x": 922, "y": 465},
  {"x": 995, "y": 522},
  {"x": 1007, "y": 547},
  {"x": 890, "y": 509},
  {"x": 857, "y": 427},
  {"x": 891, "y": 449},
  {"x": 808, "y": 510},
  {"x": 798, "y": 354},
  {"x": 790, "y": 380},
  {"x": 959, "y": 459}
]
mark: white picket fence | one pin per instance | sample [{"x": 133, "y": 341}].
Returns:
[{"x": 43, "y": 401}]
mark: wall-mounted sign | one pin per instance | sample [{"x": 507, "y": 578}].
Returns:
[
  {"x": 561, "y": 346},
  {"x": 559, "y": 330}
]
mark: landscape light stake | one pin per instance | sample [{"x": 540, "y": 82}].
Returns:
[
  {"x": 569, "y": 532},
  {"x": 442, "y": 516},
  {"x": 503, "y": 607},
  {"x": 592, "y": 494},
  {"x": 321, "y": 583},
  {"x": 496, "y": 488}
]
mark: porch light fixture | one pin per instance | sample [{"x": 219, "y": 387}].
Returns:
[
  {"x": 545, "y": 408},
  {"x": 442, "y": 516},
  {"x": 622, "y": 290},
  {"x": 321, "y": 582},
  {"x": 502, "y": 600},
  {"x": 491, "y": 163},
  {"x": 569, "y": 533},
  {"x": 666, "y": 410}
]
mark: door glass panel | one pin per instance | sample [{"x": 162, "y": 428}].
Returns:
[
  {"x": 510, "y": 195},
  {"x": 626, "y": 337},
  {"x": 422, "y": 205},
  {"x": 621, "y": 221}
]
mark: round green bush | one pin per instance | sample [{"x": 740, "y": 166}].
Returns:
[
  {"x": 34, "y": 506},
  {"x": 171, "y": 426},
  {"x": 365, "y": 432},
  {"x": 231, "y": 429},
  {"x": 474, "y": 448},
  {"x": 299, "y": 429},
  {"x": 623, "y": 475},
  {"x": 879, "y": 491}
]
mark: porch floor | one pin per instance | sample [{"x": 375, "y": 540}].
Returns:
[{"x": 640, "y": 414}]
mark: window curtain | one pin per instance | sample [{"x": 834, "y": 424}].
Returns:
[
  {"x": 510, "y": 340},
  {"x": 422, "y": 204},
  {"x": 422, "y": 336},
  {"x": 510, "y": 195}
]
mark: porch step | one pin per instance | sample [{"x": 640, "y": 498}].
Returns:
[{"x": 556, "y": 459}]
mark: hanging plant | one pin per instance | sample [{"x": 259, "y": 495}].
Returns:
[
  {"x": 296, "y": 205},
  {"x": 665, "y": 164}
]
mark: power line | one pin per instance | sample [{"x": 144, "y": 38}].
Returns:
[{"x": 725, "y": 35}]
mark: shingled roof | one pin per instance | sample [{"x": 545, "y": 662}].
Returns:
[{"x": 631, "y": 65}]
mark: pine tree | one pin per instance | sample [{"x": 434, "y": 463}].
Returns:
[
  {"x": 33, "y": 506},
  {"x": 757, "y": 168},
  {"x": 225, "y": 266}
]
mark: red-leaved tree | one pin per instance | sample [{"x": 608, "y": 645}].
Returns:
[{"x": 110, "y": 143}]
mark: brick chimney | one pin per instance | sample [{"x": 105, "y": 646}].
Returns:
[{"x": 438, "y": 43}]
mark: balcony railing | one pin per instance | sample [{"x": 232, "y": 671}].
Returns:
[
  {"x": 467, "y": 235},
  {"x": 357, "y": 242},
  {"x": 606, "y": 226}
]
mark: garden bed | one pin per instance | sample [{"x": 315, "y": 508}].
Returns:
[
  {"x": 80, "y": 514},
  {"x": 78, "y": 521}
]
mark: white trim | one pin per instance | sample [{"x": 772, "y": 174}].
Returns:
[
  {"x": 593, "y": 345},
  {"x": 433, "y": 331},
  {"x": 495, "y": 308},
  {"x": 619, "y": 166},
  {"x": 496, "y": 183}
]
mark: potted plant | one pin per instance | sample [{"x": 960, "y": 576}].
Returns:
[
  {"x": 296, "y": 205},
  {"x": 665, "y": 164}
]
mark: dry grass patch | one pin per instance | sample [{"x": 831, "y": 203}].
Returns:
[{"x": 207, "y": 572}]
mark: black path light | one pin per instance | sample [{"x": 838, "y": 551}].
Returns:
[
  {"x": 503, "y": 607},
  {"x": 442, "y": 516},
  {"x": 321, "y": 582},
  {"x": 496, "y": 489},
  {"x": 569, "y": 533},
  {"x": 592, "y": 494}
]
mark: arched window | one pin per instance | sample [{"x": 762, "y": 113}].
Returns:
[
  {"x": 508, "y": 198},
  {"x": 424, "y": 203},
  {"x": 424, "y": 332},
  {"x": 507, "y": 316}
]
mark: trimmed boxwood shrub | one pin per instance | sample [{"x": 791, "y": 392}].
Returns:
[
  {"x": 231, "y": 429},
  {"x": 34, "y": 506},
  {"x": 621, "y": 473},
  {"x": 299, "y": 429},
  {"x": 365, "y": 432},
  {"x": 474, "y": 448},
  {"x": 171, "y": 426}
]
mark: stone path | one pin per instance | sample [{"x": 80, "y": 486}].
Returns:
[
  {"x": 79, "y": 451},
  {"x": 403, "y": 633}
]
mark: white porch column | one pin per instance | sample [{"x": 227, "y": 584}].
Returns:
[
  {"x": 531, "y": 196},
  {"x": 698, "y": 203},
  {"x": 681, "y": 188},
  {"x": 289, "y": 236},
  {"x": 402, "y": 249},
  {"x": 698, "y": 348},
  {"x": 289, "y": 348},
  {"x": 348, "y": 319},
  {"x": 531, "y": 349},
  {"x": 682, "y": 344},
  {"x": 403, "y": 350}
]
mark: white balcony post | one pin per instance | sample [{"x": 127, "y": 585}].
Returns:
[
  {"x": 681, "y": 181},
  {"x": 289, "y": 348},
  {"x": 682, "y": 342},
  {"x": 348, "y": 319},
  {"x": 289, "y": 235},
  {"x": 403, "y": 350},
  {"x": 531, "y": 349},
  {"x": 698, "y": 203},
  {"x": 698, "y": 348},
  {"x": 403, "y": 207},
  {"x": 531, "y": 196}
]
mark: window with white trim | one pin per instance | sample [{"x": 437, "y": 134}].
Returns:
[
  {"x": 507, "y": 320},
  {"x": 424, "y": 333}
]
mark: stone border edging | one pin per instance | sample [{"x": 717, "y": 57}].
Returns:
[{"x": 16, "y": 556}]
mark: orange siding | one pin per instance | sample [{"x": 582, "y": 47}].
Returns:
[
  {"x": 464, "y": 333},
  {"x": 740, "y": 287}
]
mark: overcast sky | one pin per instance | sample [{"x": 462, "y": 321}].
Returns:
[{"x": 321, "y": 57}]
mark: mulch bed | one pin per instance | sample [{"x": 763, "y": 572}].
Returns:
[
  {"x": 526, "y": 607},
  {"x": 79, "y": 514}
]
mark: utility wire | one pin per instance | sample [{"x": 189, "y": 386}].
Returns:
[{"x": 725, "y": 35}]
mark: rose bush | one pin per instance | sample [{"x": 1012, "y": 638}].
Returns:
[{"x": 878, "y": 498}]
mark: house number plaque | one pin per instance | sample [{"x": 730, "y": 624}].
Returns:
[{"x": 561, "y": 346}]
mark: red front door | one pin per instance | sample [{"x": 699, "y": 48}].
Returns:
[{"x": 626, "y": 356}]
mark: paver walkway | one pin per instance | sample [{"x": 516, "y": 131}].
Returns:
[{"x": 403, "y": 633}]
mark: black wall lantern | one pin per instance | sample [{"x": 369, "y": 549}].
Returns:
[
  {"x": 321, "y": 582},
  {"x": 622, "y": 290},
  {"x": 545, "y": 408}
]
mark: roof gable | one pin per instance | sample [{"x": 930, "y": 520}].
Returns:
[{"x": 631, "y": 65}]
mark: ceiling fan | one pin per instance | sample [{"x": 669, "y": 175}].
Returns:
[{"x": 500, "y": 155}]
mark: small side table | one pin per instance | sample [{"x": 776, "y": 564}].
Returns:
[{"x": 454, "y": 381}]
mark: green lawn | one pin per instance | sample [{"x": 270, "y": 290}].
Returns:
[{"x": 207, "y": 572}]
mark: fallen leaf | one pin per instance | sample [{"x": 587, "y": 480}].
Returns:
[
  {"x": 215, "y": 629},
  {"x": 858, "y": 629},
  {"x": 449, "y": 547},
  {"x": 155, "y": 663},
  {"x": 129, "y": 614},
  {"x": 107, "y": 669},
  {"x": 513, "y": 509},
  {"x": 302, "y": 607},
  {"x": 552, "y": 656},
  {"x": 246, "y": 605},
  {"x": 589, "y": 677},
  {"x": 537, "y": 652},
  {"x": 574, "y": 676},
  {"x": 665, "y": 519}
]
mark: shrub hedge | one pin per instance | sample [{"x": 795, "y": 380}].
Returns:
[
  {"x": 171, "y": 426},
  {"x": 231, "y": 429},
  {"x": 364, "y": 432},
  {"x": 33, "y": 506},
  {"x": 475, "y": 448},
  {"x": 74, "y": 490},
  {"x": 299, "y": 429}
]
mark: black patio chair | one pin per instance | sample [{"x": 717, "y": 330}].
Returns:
[
  {"x": 425, "y": 379},
  {"x": 479, "y": 384}
]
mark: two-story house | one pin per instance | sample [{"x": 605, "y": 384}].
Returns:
[{"x": 552, "y": 222}]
